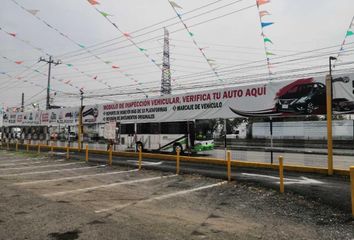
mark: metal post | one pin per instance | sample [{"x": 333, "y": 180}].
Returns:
[
  {"x": 352, "y": 188},
  {"x": 110, "y": 156},
  {"x": 140, "y": 157},
  {"x": 67, "y": 152},
  {"x": 52, "y": 149},
  {"x": 177, "y": 160},
  {"x": 16, "y": 146},
  {"x": 229, "y": 166},
  {"x": 80, "y": 128},
  {"x": 281, "y": 174},
  {"x": 225, "y": 140},
  {"x": 27, "y": 148},
  {"x": 39, "y": 148},
  {"x": 86, "y": 158},
  {"x": 23, "y": 102}
]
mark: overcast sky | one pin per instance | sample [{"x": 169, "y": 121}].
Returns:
[{"x": 299, "y": 25}]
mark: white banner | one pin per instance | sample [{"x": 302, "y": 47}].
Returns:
[{"x": 277, "y": 98}]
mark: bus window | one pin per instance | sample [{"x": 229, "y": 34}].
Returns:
[
  {"x": 148, "y": 128},
  {"x": 127, "y": 128},
  {"x": 204, "y": 130},
  {"x": 174, "y": 128}
]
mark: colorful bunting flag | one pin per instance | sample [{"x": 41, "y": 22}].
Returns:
[
  {"x": 93, "y": 2},
  {"x": 269, "y": 54},
  {"x": 265, "y": 24},
  {"x": 191, "y": 34},
  {"x": 142, "y": 49},
  {"x": 82, "y": 46},
  {"x": 105, "y": 14},
  {"x": 18, "y": 62},
  {"x": 263, "y": 13},
  {"x": 33, "y": 11},
  {"x": 12, "y": 34},
  {"x": 69, "y": 65},
  {"x": 107, "y": 62},
  {"x": 261, "y": 2},
  {"x": 349, "y": 33},
  {"x": 127, "y": 35},
  {"x": 114, "y": 66},
  {"x": 175, "y": 5},
  {"x": 95, "y": 77},
  {"x": 267, "y": 40}
]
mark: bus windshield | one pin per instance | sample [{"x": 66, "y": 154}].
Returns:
[{"x": 203, "y": 130}]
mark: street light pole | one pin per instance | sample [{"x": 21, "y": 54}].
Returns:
[
  {"x": 50, "y": 61},
  {"x": 329, "y": 100}
]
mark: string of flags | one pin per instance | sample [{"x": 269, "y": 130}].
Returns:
[
  {"x": 348, "y": 33},
  {"x": 210, "y": 62},
  {"x": 128, "y": 37},
  {"x": 35, "y": 14},
  {"x": 267, "y": 42}
]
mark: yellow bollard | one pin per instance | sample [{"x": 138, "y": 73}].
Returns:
[
  {"x": 67, "y": 152},
  {"x": 140, "y": 157},
  {"x": 86, "y": 158},
  {"x": 281, "y": 174},
  {"x": 16, "y": 146},
  {"x": 39, "y": 148},
  {"x": 177, "y": 160},
  {"x": 352, "y": 186},
  {"x": 110, "y": 153},
  {"x": 229, "y": 166}
]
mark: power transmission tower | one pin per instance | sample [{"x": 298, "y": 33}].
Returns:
[
  {"x": 50, "y": 62},
  {"x": 166, "y": 72}
]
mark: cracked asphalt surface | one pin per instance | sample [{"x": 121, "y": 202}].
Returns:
[{"x": 43, "y": 199}]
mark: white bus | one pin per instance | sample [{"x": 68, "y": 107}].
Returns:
[{"x": 192, "y": 136}]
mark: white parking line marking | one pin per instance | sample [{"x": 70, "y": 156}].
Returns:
[
  {"x": 161, "y": 197},
  {"x": 43, "y": 172},
  {"x": 75, "y": 177},
  {"x": 44, "y": 166},
  {"x": 107, "y": 186},
  {"x": 136, "y": 163},
  {"x": 30, "y": 163},
  {"x": 23, "y": 160}
]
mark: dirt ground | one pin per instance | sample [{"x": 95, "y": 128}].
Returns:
[{"x": 42, "y": 198}]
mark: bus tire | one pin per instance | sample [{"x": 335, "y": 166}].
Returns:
[
  {"x": 138, "y": 145},
  {"x": 177, "y": 146}
]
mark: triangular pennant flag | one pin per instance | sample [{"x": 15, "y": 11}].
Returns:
[
  {"x": 33, "y": 11},
  {"x": 95, "y": 77},
  {"x": 175, "y": 5},
  {"x": 12, "y": 34},
  {"x": 263, "y": 13},
  {"x": 142, "y": 49},
  {"x": 93, "y": 2},
  {"x": 261, "y": 2},
  {"x": 105, "y": 14},
  {"x": 349, "y": 33},
  {"x": 107, "y": 62},
  {"x": 18, "y": 62},
  {"x": 265, "y": 24},
  {"x": 269, "y": 54},
  {"x": 69, "y": 65},
  {"x": 68, "y": 81},
  {"x": 191, "y": 34},
  {"x": 210, "y": 60},
  {"x": 267, "y": 40},
  {"x": 127, "y": 35},
  {"x": 114, "y": 66},
  {"x": 82, "y": 46}
]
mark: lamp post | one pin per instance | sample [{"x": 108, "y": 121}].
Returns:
[{"x": 329, "y": 98}]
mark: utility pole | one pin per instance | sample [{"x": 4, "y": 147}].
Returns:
[
  {"x": 23, "y": 102},
  {"x": 80, "y": 129},
  {"x": 50, "y": 62}
]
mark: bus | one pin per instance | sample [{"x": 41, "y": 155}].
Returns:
[{"x": 186, "y": 136}]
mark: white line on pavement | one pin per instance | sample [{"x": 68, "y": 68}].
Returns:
[
  {"x": 43, "y": 166},
  {"x": 43, "y": 172},
  {"x": 161, "y": 197},
  {"x": 23, "y": 160},
  {"x": 30, "y": 163},
  {"x": 106, "y": 186},
  {"x": 75, "y": 177}
]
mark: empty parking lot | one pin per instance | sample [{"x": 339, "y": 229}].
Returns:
[{"x": 46, "y": 197}]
